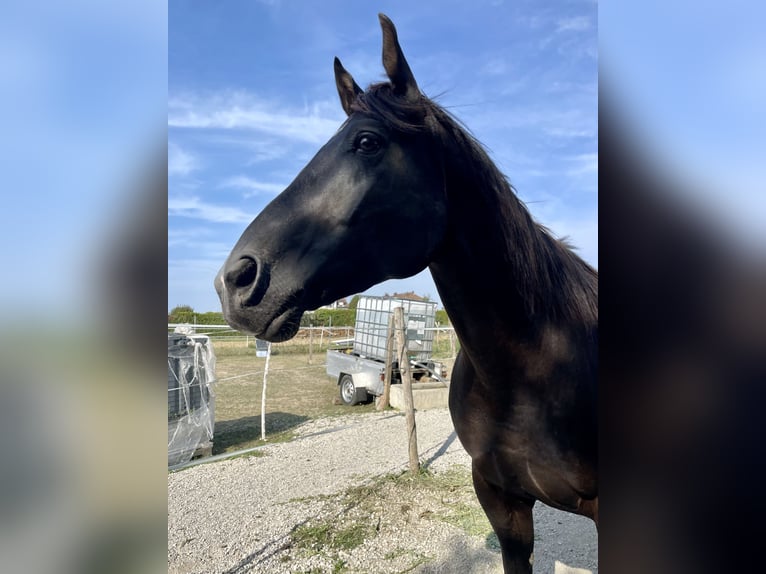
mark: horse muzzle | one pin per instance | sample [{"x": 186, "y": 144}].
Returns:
[
  {"x": 242, "y": 285},
  {"x": 245, "y": 280}
]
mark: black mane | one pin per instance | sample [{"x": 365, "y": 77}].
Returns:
[{"x": 552, "y": 280}]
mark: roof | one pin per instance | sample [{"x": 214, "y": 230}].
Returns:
[{"x": 409, "y": 295}]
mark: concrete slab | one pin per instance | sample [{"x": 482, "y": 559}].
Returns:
[{"x": 424, "y": 395}]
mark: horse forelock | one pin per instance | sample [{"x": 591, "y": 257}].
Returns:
[{"x": 397, "y": 112}]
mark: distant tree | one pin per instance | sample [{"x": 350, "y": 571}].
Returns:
[
  {"x": 334, "y": 317},
  {"x": 354, "y": 302},
  {"x": 442, "y": 318},
  {"x": 182, "y": 309},
  {"x": 181, "y": 314},
  {"x": 211, "y": 318},
  {"x": 307, "y": 319}
]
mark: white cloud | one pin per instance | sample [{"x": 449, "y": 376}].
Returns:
[
  {"x": 495, "y": 67},
  {"x": 195, "y": 208},
  {"x": 187, "y": 236},
  {"x": 253, "y": 187},
  {"x": 573, "y": 120},
  {"x": 576, "y": 24},
  {"x": 180, "y": 162},
  {"x": 570, "y": 132},
  {"x": 261, "y": 149},
  {"x": 245, "y": 111},
  {"x": 583, "y": 164}
]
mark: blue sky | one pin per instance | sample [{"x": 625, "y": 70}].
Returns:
[
  {"x": 83, "y": 87},
  {"x": 689, "y": 82},
  {"x": 251, "y": 98}
]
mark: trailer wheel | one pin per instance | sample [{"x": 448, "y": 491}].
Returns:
[{"x": 347, "y": 390}]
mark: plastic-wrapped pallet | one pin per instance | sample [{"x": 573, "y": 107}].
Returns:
[{"x": 191, "y": 401}]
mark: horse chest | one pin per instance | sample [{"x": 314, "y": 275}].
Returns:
[{"x": 488, "y": 421}]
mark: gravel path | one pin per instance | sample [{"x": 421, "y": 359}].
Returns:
[{"x": 236, "y": 516}]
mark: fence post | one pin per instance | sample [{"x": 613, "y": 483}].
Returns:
[
  {"x": 263, "y": 393},
  {"x": 409, "y": 403},
  {"x": 384, "y": 399},
  {"x": 311, "y": 345}
]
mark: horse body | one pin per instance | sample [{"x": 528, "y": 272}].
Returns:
[
  {"x": 522, "y": 395},
  {"x": 524, "y": 307},
  {"x": 523, "y": 388}
]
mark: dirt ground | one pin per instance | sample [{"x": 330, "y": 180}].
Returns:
[{"x": 326, "y": 492}]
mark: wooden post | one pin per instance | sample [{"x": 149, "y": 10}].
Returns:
[
  {"x": 263, "y": 393},
  {"x": 311, "y": 345},
  {"x": 452, "y": 343},
  {"x": 409, "y": 403},
  {"x": 384, "y": 399}
]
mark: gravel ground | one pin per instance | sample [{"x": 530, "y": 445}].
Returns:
[{"x": 240, "y": 515}]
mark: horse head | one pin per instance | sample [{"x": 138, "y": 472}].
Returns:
[{"x": 369, "y": 206}]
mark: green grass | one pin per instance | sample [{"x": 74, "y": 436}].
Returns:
[
  {"x": 296, "y": 392},
  {"x": 416, "y": 558},
  {"x": 329, "y": 538},
  {"x": 326, "y": 535},
  {"x": 298, "y": 389},
  {"x": 455, "y": 486}
]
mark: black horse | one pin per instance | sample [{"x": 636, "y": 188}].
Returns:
[{"x": 524, "y": 306}]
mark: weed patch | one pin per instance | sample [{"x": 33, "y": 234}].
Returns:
[
  {"x": 400, "y": 503},
  {"x": 451, "y": 499},
  {"x": 326, "y": 535}
]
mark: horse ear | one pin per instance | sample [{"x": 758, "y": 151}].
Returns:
[
  {"x": 396, "y": 66},
  {"x": 348, "y": 89}
]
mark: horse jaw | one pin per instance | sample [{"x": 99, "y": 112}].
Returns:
[{"x": 281, "y": 327}]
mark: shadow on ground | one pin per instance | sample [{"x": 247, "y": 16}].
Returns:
[
  {"x": 492, "y": 543},
  {"x": 246, "y": 431},
  {"x": 462, "y": 558}
]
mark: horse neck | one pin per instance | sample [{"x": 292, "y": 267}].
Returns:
[{"x": 498, "y": 273}]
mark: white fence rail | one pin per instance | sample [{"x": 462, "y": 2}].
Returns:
[{"x": 310, "y": 339}]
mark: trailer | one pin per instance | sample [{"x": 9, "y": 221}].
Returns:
[{"x": 358, "y": 365}]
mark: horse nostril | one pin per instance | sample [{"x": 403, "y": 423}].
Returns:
[{"x": 242, "y": 273}]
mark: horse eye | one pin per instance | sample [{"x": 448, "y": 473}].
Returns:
[{"x": 368, "y": 143}]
